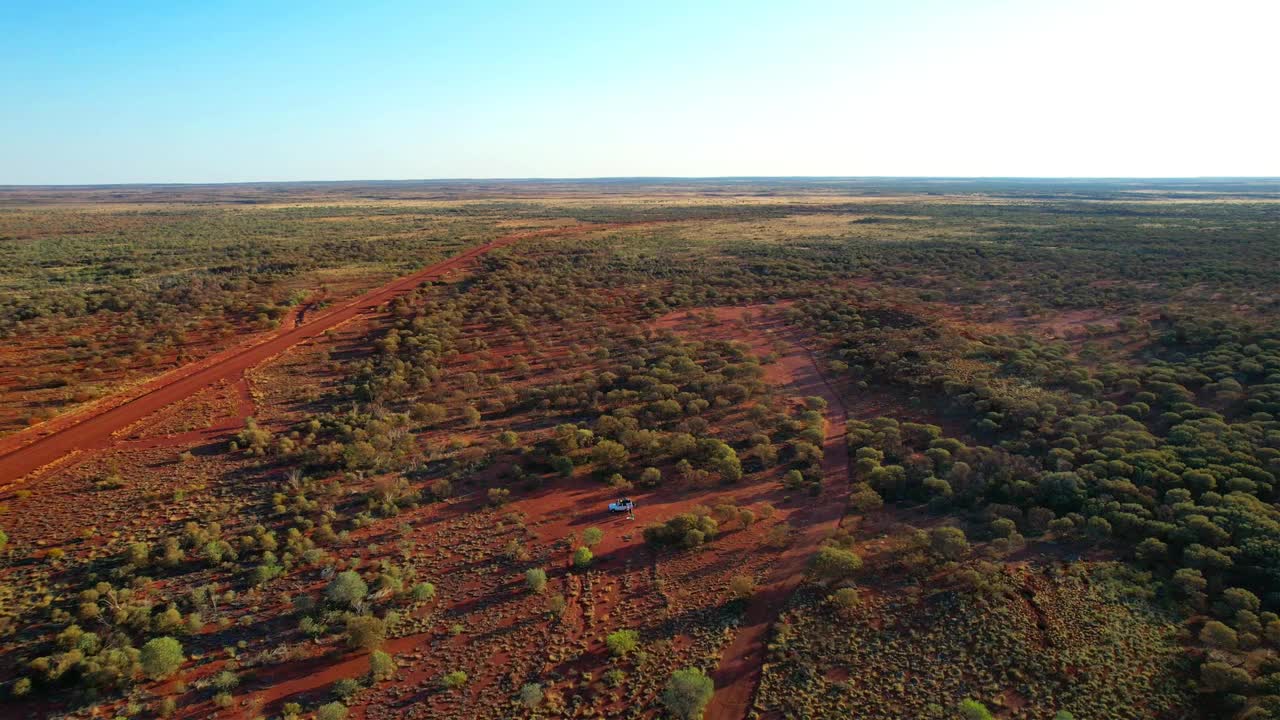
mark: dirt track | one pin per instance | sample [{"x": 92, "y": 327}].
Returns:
[
  {"x": 738, "y": 674},
  {"x": 29, "y": 451},
  {"x": 796, "y": 370}
]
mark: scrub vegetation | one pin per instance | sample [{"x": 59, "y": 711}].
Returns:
[{"x": 897, "y": 449}]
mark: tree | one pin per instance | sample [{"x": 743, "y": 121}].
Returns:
[
  {"x": 1191, "y": 585},
  {"x": 650, "y": 477},
  {"x": 347, "y": 588},
  {"x": 1097, "y": 528},
  {"x": 161, "y": 657},
  {"x": 610, "y": 456},
  {"x": 567, "y": 437},
  {"x": 536, "y": 579},
  {"x": 973, "y": 710},
  {"x": 1003, "y": 527},
  {"x": 1221, "y": 677},
  {"x": 1218, "y": 635},
  {"x": 1241, "y": 599},
  {"x": 1151, "y": 551},
  {"x": 686, "y": 530},
  {"x": 949, "y": 542},
  {"x": 429, "y": 414},
  {"x": 834, "y": 564},
  {"x": 622, "y": 642},
  {"x": 687, "y": 693},
  {"x": 592, "y": 536},
  {"x": 582, "y": 557},
  {"x": 562, "y": 465},
  {"x": 1062, "y": 491}
]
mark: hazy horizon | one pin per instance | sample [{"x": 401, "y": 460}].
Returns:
[
  {"x": 673, "y": 178},
  {"x": 149, "y": 93}
]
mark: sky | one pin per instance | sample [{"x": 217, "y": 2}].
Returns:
[{"x": 161, "y": 91}]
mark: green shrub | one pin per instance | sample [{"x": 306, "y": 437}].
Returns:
[
  {"x": 949, "y": 542},
  {"x": 609, "y": 456},
  {"x": 833, "y": 564},
  {"x": 1223, "y": 678},
  {"x": 742, "y": 587},
  {"x": 582, "y": 557},
  {"x": 365, "y": 632},
  {"x": 650, "y": 477},
  {"x": 345, "y": 688},
  {"x": 622, "y": 642},
  {"x": 226, "y": 680},
  {"x": 845, "y": 599},
  {"x": 347, "y": 588},
  {"x": 536, "y": 579},
  {"x": 686, "y": 530},
  {"x": 1218, "y": 634},
  {"x": 161, "y": 657},
  {"x": 687, "y": 693},
  {"x": 332, "y": 711},
  {"x": 562, "y": 465},
  {"x": 556, "y": 605},
  {"x": 974, "y": 710},
  {"x": 531, "y": 695},
  {"x": 381, "y": 665},
  {"x": 423, "y": 591},
  {"x": 454, "y": 680}
]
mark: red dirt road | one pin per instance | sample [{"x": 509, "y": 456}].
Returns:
[
  {"x": 738, "y": 673},
  {"x": 93, "y": 428},
  {"x": 761, "y": 327}
]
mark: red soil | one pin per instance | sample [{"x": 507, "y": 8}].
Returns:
[
  {"x": 29, "y": 451},
  {"x": 624, "y": 595}
]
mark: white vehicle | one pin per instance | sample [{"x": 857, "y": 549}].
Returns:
[{"x": 623, "y": 505}]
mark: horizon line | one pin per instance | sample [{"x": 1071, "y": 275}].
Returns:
[{"x": 649, "y": 178}]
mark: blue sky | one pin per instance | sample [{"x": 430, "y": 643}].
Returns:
[{"x": 245, "y": 91}]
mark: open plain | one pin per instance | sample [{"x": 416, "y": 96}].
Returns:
[{"x": 896, "y": 448}]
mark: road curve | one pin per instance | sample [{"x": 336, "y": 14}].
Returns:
[{"x": 93, "y": 428}]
